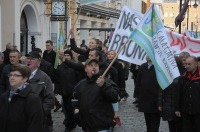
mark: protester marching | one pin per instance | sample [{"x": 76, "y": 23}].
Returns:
[{"x": 88, "y": 84}]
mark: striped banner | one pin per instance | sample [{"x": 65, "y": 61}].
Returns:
[{"x": 151, "y": 35}]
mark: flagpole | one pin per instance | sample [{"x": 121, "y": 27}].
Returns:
[
  {"x": 73, "y": 26},
  {"x": 115, "y": 57}
]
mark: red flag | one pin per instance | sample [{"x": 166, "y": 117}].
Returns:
[{"x": 181, "y": 15}]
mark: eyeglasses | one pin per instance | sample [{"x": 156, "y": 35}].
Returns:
[{"x": 14, "y": 75}]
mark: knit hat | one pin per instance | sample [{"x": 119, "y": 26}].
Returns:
[{"x": 68, "y": 52}]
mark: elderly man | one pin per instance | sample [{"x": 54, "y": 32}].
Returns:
[
  {"x": 95, "y": 95},
  {"x": 14, "y": 56},
  {"x": 188, "y": 103},
  {"x": 45, "y": 86}
]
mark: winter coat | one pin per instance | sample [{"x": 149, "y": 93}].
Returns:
[
  {"x": 167, "y": 100},
  {"x": 189, "y": 93},
  {"x": 44, "y": 89},
  {"x": 147, "y": 89},
  {"x": 65, "y": 80},
  {"x": 95, "y": 103},
  {"x": 47, "y": 68},
  {"x": 22, "y": 114},
  {"x": 50, "y": 57},
  {"x": 4, "y": 80}
]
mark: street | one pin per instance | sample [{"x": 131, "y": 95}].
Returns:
[{"x": 132, "y": 120}]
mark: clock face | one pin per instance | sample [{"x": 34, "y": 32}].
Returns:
[{"x": 58, "y": 8}]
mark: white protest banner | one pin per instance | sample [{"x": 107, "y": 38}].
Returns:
[
  {"x": 84, "y": 2},
  {"x": 180, "y": 43},
  {"x": 132, "y": 52},
  {"x": 151, "y": 35}
]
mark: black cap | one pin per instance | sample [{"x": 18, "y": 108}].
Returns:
[
  {"x": 89, "y": 61},
  {"x": 68, "y": 52},
  {"x": 33, "y": 54},
  {"x": 37, "y": 50}
]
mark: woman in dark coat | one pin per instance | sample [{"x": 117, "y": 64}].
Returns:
[{"x": 20, "y": 108}]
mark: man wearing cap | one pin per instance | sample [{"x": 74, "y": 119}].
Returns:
[
  {"x": 95, "y": 95},
  {"x": 47, "y": 67},
  {"x": 45, "y": 86}
]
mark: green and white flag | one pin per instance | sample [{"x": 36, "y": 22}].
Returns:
[
  {"x": 151, "y": 35},
  {"x": 84, "y": 2},
  {"x": 60, "y": 43}
]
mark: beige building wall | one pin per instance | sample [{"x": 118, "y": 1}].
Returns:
[
  {"x": 7, "y": 22},
  {"x": 171, "y": 10}
]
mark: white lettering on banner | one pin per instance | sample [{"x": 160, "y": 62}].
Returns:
[{"x": 132, "y": 52}]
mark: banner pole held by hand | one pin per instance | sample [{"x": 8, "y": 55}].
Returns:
[
  {"x": 115, "y": 58},
  {"x": 73, "y": 26}
]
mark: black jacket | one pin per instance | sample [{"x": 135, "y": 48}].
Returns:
[
  {"x": 167, "y": 100},
  {"x": 50, "y": 57},
  {"x": 47, "y": 67},
  {"x": 147, "y": 89},
  {"x": 189, "y": 93},
  {"x": 65, "y": 80},
  {"x": 95, "y": 103},
  {"x": 4, "y": 80},
  {"x": 6, "y": 56},
  {"x": 23, "y": 114}
]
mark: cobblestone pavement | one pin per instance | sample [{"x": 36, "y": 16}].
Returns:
[{"x": 132, "y": 120}]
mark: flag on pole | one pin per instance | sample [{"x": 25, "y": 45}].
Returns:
[
  {"x": 60, "y": 43},
  {"x": 84, "y": 2},
  {"x": 151, "y": 35},
  {"x": 181, "y": 15}
]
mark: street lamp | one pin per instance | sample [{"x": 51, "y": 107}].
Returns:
[{"x": 195, "y": 4}]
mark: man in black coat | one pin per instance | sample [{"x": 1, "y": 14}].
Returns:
[
  {"x": 65, "y": 80},
  {"x": 188, "y": 101},
  {"x": 95, "y": 95},
  {"x": 49, "y": 54},
  {"x": 147, "y": 90}
]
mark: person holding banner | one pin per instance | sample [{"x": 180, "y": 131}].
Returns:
[
  {"x": 95, "y": 95},
  {"x": 188, "y": 99},
  {"x": 147, "y": 90}
]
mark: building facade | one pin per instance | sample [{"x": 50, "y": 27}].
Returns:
[
  {"x": 27, "y": 23},
  {"x": 191, "y": 20}
]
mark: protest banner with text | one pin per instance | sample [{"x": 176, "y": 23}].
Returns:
[
  {"x": 132, "y": 52},
  {"x": 151, "y": 35}
]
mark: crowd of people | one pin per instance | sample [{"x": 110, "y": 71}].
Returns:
[{"x": 29, "y": 85}]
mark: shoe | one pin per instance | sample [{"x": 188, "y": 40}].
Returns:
[
  {"x": 51, "y": 128},
  {"x": 118, "y": 121},
  {"x": 126, "y": 95},
  {"x": 57, "y": 108}
]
